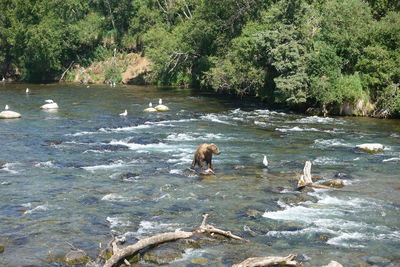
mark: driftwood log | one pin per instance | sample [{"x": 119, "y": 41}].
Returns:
[
  {"x": 269, "y": 261},
  {"x": 120, "y": 254},
  {"x": 305, "y": 179}
]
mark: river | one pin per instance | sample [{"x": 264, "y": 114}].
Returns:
[{"x": 78, "y": 174}]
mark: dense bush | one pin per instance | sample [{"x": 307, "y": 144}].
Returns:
[{"x": 292, "y": 53}]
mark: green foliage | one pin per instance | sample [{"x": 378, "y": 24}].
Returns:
[
  {"x": 233, "y": 76},
  {"x": 349, "y": 89},
  {"x": 113, "y": 73},
  {"x": 323, "y": 67},
  {"x": 287, "y": 52},
  {"x": 344, "y": 25}
]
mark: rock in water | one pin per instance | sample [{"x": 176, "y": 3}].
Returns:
[
  {"x": 337, "y": 183},
  {"x": 8, "y": 114},
  {"x": 76, "y": 257},
  {"x": 333, "y": 264},
  {"x": 370, "y": 148}
]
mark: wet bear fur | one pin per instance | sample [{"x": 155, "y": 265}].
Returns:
[{"x": 204, "y": 153}]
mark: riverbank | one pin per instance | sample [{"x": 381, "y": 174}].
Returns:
[
  {"x": 128, "y": 68},
  {"x": 135, "y": 69}
]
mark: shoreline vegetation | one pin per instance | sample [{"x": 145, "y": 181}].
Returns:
[{"x": 320, "y": 57}]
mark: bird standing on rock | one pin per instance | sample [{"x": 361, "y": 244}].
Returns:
[
  {"x": 150, "y": 108},
  {"x": 50, "y": 104},
  {"x": 161, "y": 107}
]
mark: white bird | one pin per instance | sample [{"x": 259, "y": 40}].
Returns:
[
  {"x": 265, "y": 161},
  {"x": 150, "y": 108},
  {"x": 160, "y": 106},
  {"x": 6, "y": 107},
  {"x": 125, "y": 113},
  {"x": 50, "y": 104},
  {"x": 27, "y": 90}
]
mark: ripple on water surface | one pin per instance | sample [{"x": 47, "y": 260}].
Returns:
[{"x": 80, "y": 173}]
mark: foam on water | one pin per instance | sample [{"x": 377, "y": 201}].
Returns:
[
  {"x": 391, "y": 159},
  {"x": 260, "y": 123},
  {"x": 268, "y": 112},
  {"x": 327, "y": 161},
  {"x": 150, "y": 227},
  {"x": 125, "y": 129},
  {"x": 217, "y": 118},
  {"x": 320, "y": 120},
  {"x": 7, "y": 167},
  {"x": 117, "y": 198},
  {"x": 175, "y": 171},
  {"x": 299, "y": 129},
  {"x": 81, "y": 133},
  {"x": 45, "y": 164},
  {"x": 96, "y": 151},
  {"x": 134, "y": 146},
  {"x": 116, "y": 164},
  {"x": 322, "y": 143},
  {"x": 194, "y": 136},
  {"x": 191, "y": 253},
  {"x": 347, "y": 240},
  {"x": 182, "y": 158},
  {"x": 331, "y": 215},
  {"x": 116, "y": 222}
]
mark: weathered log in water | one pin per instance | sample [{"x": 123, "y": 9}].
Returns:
[
  {"x": 305, "y": 180},
  {"x": 121, "y": 253}
]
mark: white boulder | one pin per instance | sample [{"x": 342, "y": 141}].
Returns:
[
  {"x": 8, "y": 114},
  {"x": 370, "y": 148},
  {"x": 333, "y": 264},
  {"x": 50, "y": 104}
]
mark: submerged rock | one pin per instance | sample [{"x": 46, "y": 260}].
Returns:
[
  {"x": 51, "y": 142},
  {"x": 8, "y": 114},
  {"x": 199, "y": 261},
  {"x": 370, "y": 148},
  {"x": 76, "y": 257},
  {"x": 377, "y": 260},
  {"x": 324, "y": 237},
  {"x": 162, "y": 255},
  {"x": 290, "y": 227},
  {"x": 343, "y": 175}
]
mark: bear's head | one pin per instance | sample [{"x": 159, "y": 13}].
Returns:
[{"x": 214, "y": 149}]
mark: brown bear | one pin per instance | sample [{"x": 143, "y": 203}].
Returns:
[{"x": 204, "y": 153}]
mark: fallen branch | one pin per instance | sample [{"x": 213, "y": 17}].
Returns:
[
  {"x": 206, "y": 228},
  {"x": 269, "y": 261},
  {"x": 121, "y": 253},
  {"x": 141, "y": 244}
]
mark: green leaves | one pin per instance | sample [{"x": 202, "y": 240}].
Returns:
[{"x": 287, "y": 52}]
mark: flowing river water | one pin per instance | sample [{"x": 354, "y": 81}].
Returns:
[{"x": 78, "y": 174}]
